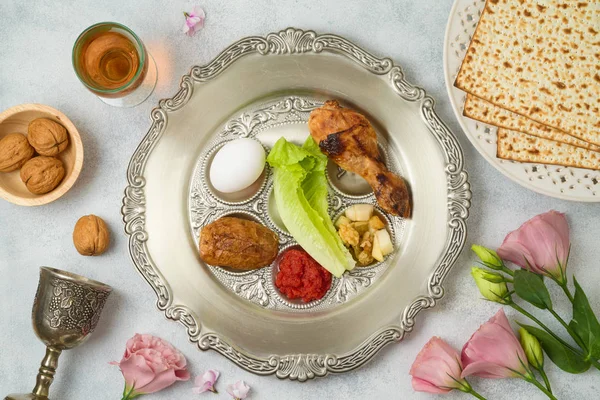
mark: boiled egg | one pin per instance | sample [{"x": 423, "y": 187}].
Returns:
[{"x": 237, "y": 165}]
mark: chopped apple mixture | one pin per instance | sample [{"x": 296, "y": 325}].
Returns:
[{"x": 365, "y": 234}]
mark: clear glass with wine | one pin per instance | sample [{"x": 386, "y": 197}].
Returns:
[{"x": 113, "y": 63}]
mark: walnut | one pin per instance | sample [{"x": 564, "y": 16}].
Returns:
[
  {"x": 365, "y": 258},
  {"x": 47, "y": 137},
  {"x": 363, "y": 252},
  {"x": 42, "y": 174},
  {"x": 349, "y": 235},
  {"x": 366, "y": 242},
  {"x": 14, "y": 152},
  {"x": 90, "y": 236}
]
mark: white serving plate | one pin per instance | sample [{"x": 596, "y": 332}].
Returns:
[{"x": 561, "y": 182}]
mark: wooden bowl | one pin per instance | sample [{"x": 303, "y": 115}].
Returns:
[{"x": 17, "y": 119}]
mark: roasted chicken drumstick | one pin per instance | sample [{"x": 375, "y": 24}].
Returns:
[{"x": 348, "y": 139}]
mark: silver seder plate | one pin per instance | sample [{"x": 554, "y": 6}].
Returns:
[{"x": 264, "y": 88}]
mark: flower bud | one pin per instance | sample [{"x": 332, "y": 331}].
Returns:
[
  {"x": 491, "y": 285},
  {"x": 488, "y": 257},
  {"x": 532, "y": 347}
]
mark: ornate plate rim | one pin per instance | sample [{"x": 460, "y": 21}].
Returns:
[
  {"x": 490, "y": 159},
  {"x": 297, "y": 366}
]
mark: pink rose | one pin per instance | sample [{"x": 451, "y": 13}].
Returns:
[
  {"x": 494, "y": 351},
  {"x": 151, "y": 364},
  {"x": 437, "y": 368},
  {"x": 540, "y": 245}
]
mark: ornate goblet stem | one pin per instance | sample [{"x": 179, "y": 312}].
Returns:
[
  {"x": 66, "y": 310},
  {"x": 46, "y": 372}
]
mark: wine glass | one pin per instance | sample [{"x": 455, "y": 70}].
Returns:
[
  {"x": 112, "y": 62},
  {"x": 66, "y": 309}
]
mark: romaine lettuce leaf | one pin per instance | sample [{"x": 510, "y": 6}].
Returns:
[{"x": 301, "y": 195}]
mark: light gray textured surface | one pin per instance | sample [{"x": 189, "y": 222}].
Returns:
[{"x": 35, "y": 66}]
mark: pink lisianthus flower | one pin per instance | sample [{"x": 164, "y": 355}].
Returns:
[
  {"x": 151, "y": 364},
  {"x": 194, "y": 21},
  {"x": 494, "y": 351},
  {"x": 238, "y": 390},
  {"x": 437, "y": 368},
  {"x": 541, "y": 245},
  {"x": 206, "y": 382}
]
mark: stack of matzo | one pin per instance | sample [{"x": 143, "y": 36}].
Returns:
[{"x": 533, "y": 70}]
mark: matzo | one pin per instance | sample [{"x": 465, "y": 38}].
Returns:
[
  {"x": 540, "y": 59},
  {"x": 488, "y": 113},
  {"x": 518, "y": 146}
]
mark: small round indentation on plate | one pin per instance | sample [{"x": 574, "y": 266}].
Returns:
[
  {"x": 348, "y": 183},
  {"x": 273, "y": 213},
  {"x": 239, "y": 197},
  {"x": 389, "y": 226},
  {"x": 296, "y": 304}
]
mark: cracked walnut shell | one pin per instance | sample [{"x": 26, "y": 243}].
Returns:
[
  {"x": 90, "y": 236},
  {"x": 15, "y": 151},
  {"x": 42, "y": 174},
  {"x": 47, "y": 137}
]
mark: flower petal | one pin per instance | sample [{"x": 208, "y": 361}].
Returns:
[
  {"x": 160, "y": 381},
  {"x": 494, "y": 350},
  {"x": 192, "y": 21},
  {"x": 559, "y": 222},
  {"x": 421, "y": 385},
  {"x": 484, "y": 369},
  {"x": 199, "y": 12},
  {"x": 514, "y": 251},
  {"x": 238, "y": 390},
  {"x": 546, "y": 246},
  {"x": 437, "y": 364},
  {"x": 136, "y": 371},
  {"x": 182, "y": 374}
]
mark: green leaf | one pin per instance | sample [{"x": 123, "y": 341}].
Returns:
[
  {"x": 531, "y": 288},
  {"x": 584, "y": 323},
  {"x": 563, "y": 357},
  {"x": 301, "y": 196}
]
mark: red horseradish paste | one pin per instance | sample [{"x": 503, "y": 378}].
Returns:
[{"x": 301, "y": 277}]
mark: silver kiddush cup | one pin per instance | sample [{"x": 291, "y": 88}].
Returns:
[{"x": 66, "y": 309}]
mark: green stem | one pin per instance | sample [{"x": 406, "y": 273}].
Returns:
[
  {"x": 545, "y": 378},
  {"x": 128, "y": 395},
  {"x": 466, "y": 387},
  {"x": 565, "y": 289},
  {"x": 559, "y": 319},
  {"x": 595, "y": 363},
  {"x": 507, "y": 270},
  {"x": 531, "y": 379},
  {"x": 475, "y": 394},
  {"x": 575, "y": 337},
  {"x": 544, "y": 327}
]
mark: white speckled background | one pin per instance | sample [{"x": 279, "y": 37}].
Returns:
[{"x": 35, "y": 66}]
